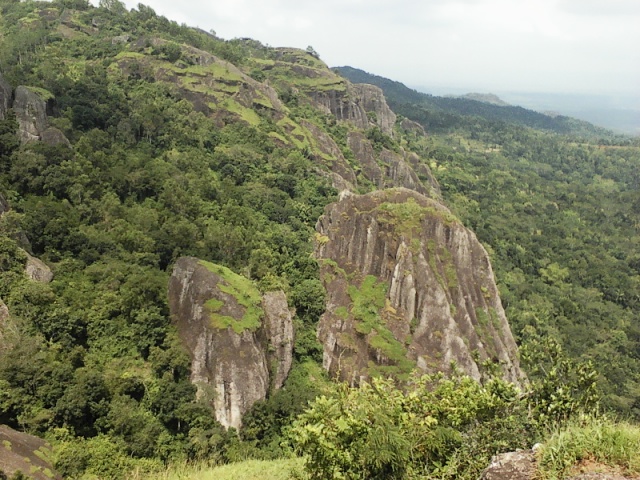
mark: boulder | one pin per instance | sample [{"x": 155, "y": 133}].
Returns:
[
  {"x": 37, "y": 270},
  {"x": 233, "y": 336},
  {"x": 408, "y": 286},
  {"x": 519, "y": 465},
  {"x": 52, "y": 137}
]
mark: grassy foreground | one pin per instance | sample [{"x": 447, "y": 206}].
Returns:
[
  {"x": 248, "y": 470},
  {"x": 591, "y": 445}
]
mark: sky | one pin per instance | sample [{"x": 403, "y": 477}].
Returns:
[{"x": 561, "y": 46}]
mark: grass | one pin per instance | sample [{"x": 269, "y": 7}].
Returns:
[
  {"x": 245, "y": 293},
  {"x": 247, "y": 470},
  {"x": 599, "y": 443}
]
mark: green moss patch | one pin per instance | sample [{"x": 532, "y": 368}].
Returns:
[
  {"x": 243, "y": 291},
  {"x": 367, "y": 305}
]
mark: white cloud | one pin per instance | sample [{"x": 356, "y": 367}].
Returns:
[{"x": 536, "y": 45}]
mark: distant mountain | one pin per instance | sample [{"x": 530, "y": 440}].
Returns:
[
  {"x": 440, "y": 113},
  {"x": 490, "y": 98}
]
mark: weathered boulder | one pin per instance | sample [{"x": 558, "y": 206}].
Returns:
[
  {"x": 20, "y": 452},
  {"x": 407, "y": 286},
  {"x": 37, "y": 270},
  {"x": 232, "y": 335},
  {"x": 519, "y": 465},
  {"x": 5, "y": 97},
  {"x": 53, "y": 136},
  {"x": 31, "y": 114}
]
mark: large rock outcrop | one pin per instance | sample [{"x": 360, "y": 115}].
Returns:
[
  {"x": 21, "y": 452},
  {"x": 31, "y": 113},
  {"x": 5, "y": 97},
  {"x": 234, "y": 336},
  {"x": 408, "y": 286},
  {"x": 361, "y": 104}
]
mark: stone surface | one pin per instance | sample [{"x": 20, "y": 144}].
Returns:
[
  {"x": 20, "y": 452},
  {"x": 52, "y": 137},
  {"x": 353, "y": 103},
  {"x": 440, "y": 305},
  {"x": 5, "y": 97},
  {"x": 37, "y": 270},
  {"x": 519, "y": 465},
  {"x": 31, "y": 114},
  {"x": 230, "y": 368},
  {"x": 278, "y": 327}
]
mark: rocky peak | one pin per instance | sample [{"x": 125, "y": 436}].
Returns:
[
  {"x": 233, "y": 335},
  {"x": 408, "y": 286}
]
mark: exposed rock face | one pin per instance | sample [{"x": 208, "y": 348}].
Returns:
[
  {"x": 391, "y": 169},
  {"x": 52, "y": 137},
  {"x": 5, "y": 97},
  {"x": 408, "y": 286},
  {"x": 353, "y": 103},
  {"x": 278, "y": 327},
  {"x": 31, "y": 114},
  {"x": 20, "y": 452},
  {"x": 518, "y": 465},
  {"x": 37, "y": 270},
  {"x": 218, "y": 319}
]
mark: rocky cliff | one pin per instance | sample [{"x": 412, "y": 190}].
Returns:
[
  {"x": 408, "y": 286},
  {"x": 240, "y": 343}
]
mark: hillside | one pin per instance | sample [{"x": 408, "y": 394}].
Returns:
[
  {"x": 442, "y": 113},
  {"x": 198, "y": 236}
]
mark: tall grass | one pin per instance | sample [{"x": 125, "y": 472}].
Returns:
[
  {"x": 247, "y": 470},
  {"x": 603, "y": 441}
]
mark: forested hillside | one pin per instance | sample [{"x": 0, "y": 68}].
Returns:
[{"x": 128, "y": 141}]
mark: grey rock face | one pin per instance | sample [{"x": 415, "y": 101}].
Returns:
[
  {"x": 354, "y": 104},
  {"x": 52, "y": 137},
  {"x": 229, "y": 367},
  {"x": 37, "y": 270},
  {"x": 31, "y": 114},
  {"x": 21, "y": 452},
  {"x": 440, "y": 304},
  {"x": 5, "y": 97},
  {"x": 278, "y": 327},
  {"x": 518, "y": 465}
]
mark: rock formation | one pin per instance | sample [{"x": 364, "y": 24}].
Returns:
[
  {"x": 5, "y": 97},
  {"x": 20, "y": 452},
  {"x": 232, "y": 334},
  {"x": 31, "y": 114},
  {"x": 361, "y": 104},
  {"x": 408, "y": 286},
  {"x": 519, "y": 465},
  {"x": 37, "y": 270}
]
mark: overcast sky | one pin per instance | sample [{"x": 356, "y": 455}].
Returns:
[{"x": 579, "y": 46}]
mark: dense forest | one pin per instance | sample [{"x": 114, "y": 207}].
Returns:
[{"x": 158, "y": 161}]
